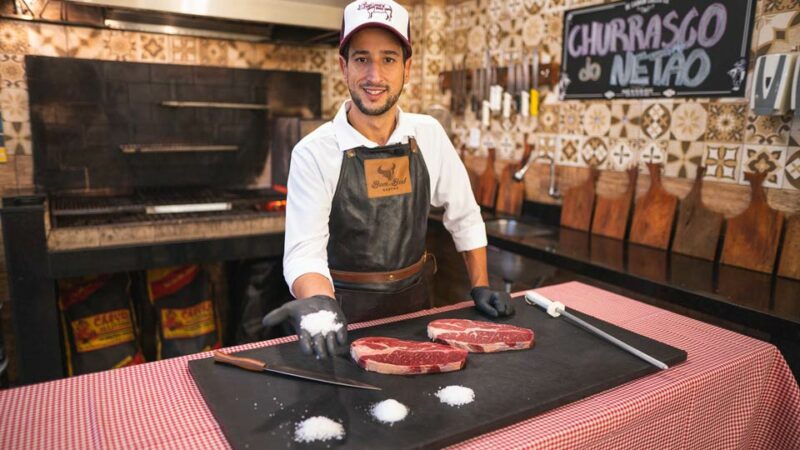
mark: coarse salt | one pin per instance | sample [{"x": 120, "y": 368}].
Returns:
[
  {"x": 318, "y": 428},
  {"x": 389, "y": 411},
  {"x": 320, "y": 322},
  {"x": 456, "y": 395}
]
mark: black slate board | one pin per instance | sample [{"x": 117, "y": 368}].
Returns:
[{"x": 567, "y": 364}]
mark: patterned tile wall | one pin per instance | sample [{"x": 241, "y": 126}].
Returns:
[
  {"x": 683, "y": 134},
  {"x": 19, "y": 38}
]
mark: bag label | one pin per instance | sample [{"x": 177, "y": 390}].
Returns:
[
  {"x": 102, "y": 330},
  {"x": 181, "y": 323}
]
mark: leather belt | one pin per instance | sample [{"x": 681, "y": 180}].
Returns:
[{"x": 382, "y": 277}]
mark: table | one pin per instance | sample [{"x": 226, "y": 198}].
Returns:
[{"x": 733, "y": 391}]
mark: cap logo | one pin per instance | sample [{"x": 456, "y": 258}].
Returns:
[{"x": 376, "y": 8}]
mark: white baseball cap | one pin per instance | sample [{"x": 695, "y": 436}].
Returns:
[{"x": 385, "y": 14}]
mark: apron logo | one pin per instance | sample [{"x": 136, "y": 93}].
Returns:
[
  {"x": 376, "y": 8},
  {"x": 387, "y": 177}
]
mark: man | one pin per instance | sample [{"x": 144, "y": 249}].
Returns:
[{"x": 360, "y": 188}]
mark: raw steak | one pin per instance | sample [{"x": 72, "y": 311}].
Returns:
[
  {"x": 398, "y": 357},
  {"x": 480, "y": 337}
]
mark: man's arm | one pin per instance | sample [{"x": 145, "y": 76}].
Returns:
[
  {"x": 475, "y": 260},
  {"x": 311, "y": 284}
]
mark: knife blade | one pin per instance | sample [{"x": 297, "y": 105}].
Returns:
[{"x": 255, "y": 365}]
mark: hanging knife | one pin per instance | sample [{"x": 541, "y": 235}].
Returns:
[
  {"x": 534, "y": 106},
  {"x": 525, "y": 93},
  {"x": 260, "y": 366},
  {"x": 508, "y": 96}
]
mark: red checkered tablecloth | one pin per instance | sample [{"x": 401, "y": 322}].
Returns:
[{"x": 732, "y": 392}]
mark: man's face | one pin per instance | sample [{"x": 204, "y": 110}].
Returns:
[{"x": 375, "y": 72}]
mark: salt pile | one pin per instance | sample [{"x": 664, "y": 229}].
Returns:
[
  {"x": 320, "y": 322},
  {"x": 456, "y": 395},
  {"x": 389, "y": 411},
  {"x": 318, "y": 428}
]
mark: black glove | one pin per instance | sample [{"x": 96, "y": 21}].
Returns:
[
  {"x": 492, "y": 303},
  {"x": 321, "y": 344}
]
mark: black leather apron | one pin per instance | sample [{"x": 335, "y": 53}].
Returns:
[{"x": 378, "y": 223}]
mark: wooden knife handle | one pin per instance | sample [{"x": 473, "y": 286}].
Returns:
[{"x": 244, "y": 363}]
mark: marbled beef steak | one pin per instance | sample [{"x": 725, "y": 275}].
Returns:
[
  {"x": 480, "y": 337},
  {"x": 399, "y": 357}
]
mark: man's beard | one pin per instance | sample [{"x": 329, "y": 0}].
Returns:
[{"x": 377, "y": 111}]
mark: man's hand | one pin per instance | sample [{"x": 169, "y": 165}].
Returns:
[
  {"x": 492, "y": 303},
  {"x": 321, "y": 344}
]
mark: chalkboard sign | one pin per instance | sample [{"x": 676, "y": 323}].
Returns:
[{"x": 657, "y": 48}]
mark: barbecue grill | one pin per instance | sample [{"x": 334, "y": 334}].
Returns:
[{"x": 144, "y": 165}]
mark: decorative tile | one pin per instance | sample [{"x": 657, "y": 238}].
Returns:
[
  {"x": 477, "y": 37},
  {"x": 548, "y": 118},
  {"x": 623, "y": 154},
  {"x": 85, "y": 42},
  {"x": 13, "y": 38},
  {"x": 12, "y": 71},
  {"x": 213, "y": 52},
  {"x": 14, "y": 105},
  {"x": 533, "y": 30},
  {"x": 625, "y": 119},
  {"x": 689, "y": 120},
  {"x": 184, "y": 49},
  {"x": 47, "y": 40},
  {"x": 546, "y": 147},
  {"x": 120, "y": 46},
  {"x": 726, "y": 122},
  {"x": 154, "y": 48},
  {"x": 534, "y": 6},
  {"x": 722, "y": 162},
  {"x": 768, "y": 130},
  {"x": 506, "y": 147},
  {"x": 791, "y": 178},
  {"x": 773, "y": 6},
  {"x": 656, "y": 120},
  {"x": 570, "y": 118},
  {"x": 17, "y": 137},
  {"x": 794, "y": 133},
  {"x": 568, "y": 151},
  {"x": 597, "y": 119},
  {"x": 683, "y": 158},
  {"x": 765, "y": 159},
  {"x": 654, "y": 152},
  {"x": 594, "y": 152},
  {"x": 777, "y": 33}
]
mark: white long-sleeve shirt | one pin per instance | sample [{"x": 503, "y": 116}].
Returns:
[{"x": 314, "y": 174}]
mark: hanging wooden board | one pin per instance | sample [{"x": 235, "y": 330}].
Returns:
[
  {"x": 654, "y": 213},
  {"x": 789, "y": 266},
  {"x": 487, "y": 184},
  {"x": 473, "y": 177},
  {"x": 698, "y": 228},
  {"x": 578, "y": 203},
  {"x": 611, "y": 214},
  {"x": 510, "y": 192},
  {"x": 751, "y": 238}
]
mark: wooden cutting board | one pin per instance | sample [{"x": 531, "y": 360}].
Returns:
[
  {"x": 654, "y": 213},
  {"x": 751, "y": 239},
  {"x": 789, "y": 266},
  {"x": 698, "y": 228},
  {"x": 510, "y": 192},
  {"x": 487, "y": 184},
  {"x": 578, "y": 203},
  {"x": 473, "y": 177},
  {"x": 611, "y": 214}
]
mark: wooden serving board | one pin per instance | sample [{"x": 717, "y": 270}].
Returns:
[
  {"x": 751, "y": 238},
  {"x": 789, "y": 266},
  {"x": 486, "y": 193},
  {"x": 611, "y": 214},
  {"x": 578, "y": 203},
  {"x": 698, "y": 228},
  {"x": 654, "y": 213},
  {"x": 510, "y": 192},
  {"x": 473, "y": 177},
  {"x": 261, "y": 410}
]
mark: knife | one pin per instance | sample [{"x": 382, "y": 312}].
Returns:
[{"x": 260, "y": 366}]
